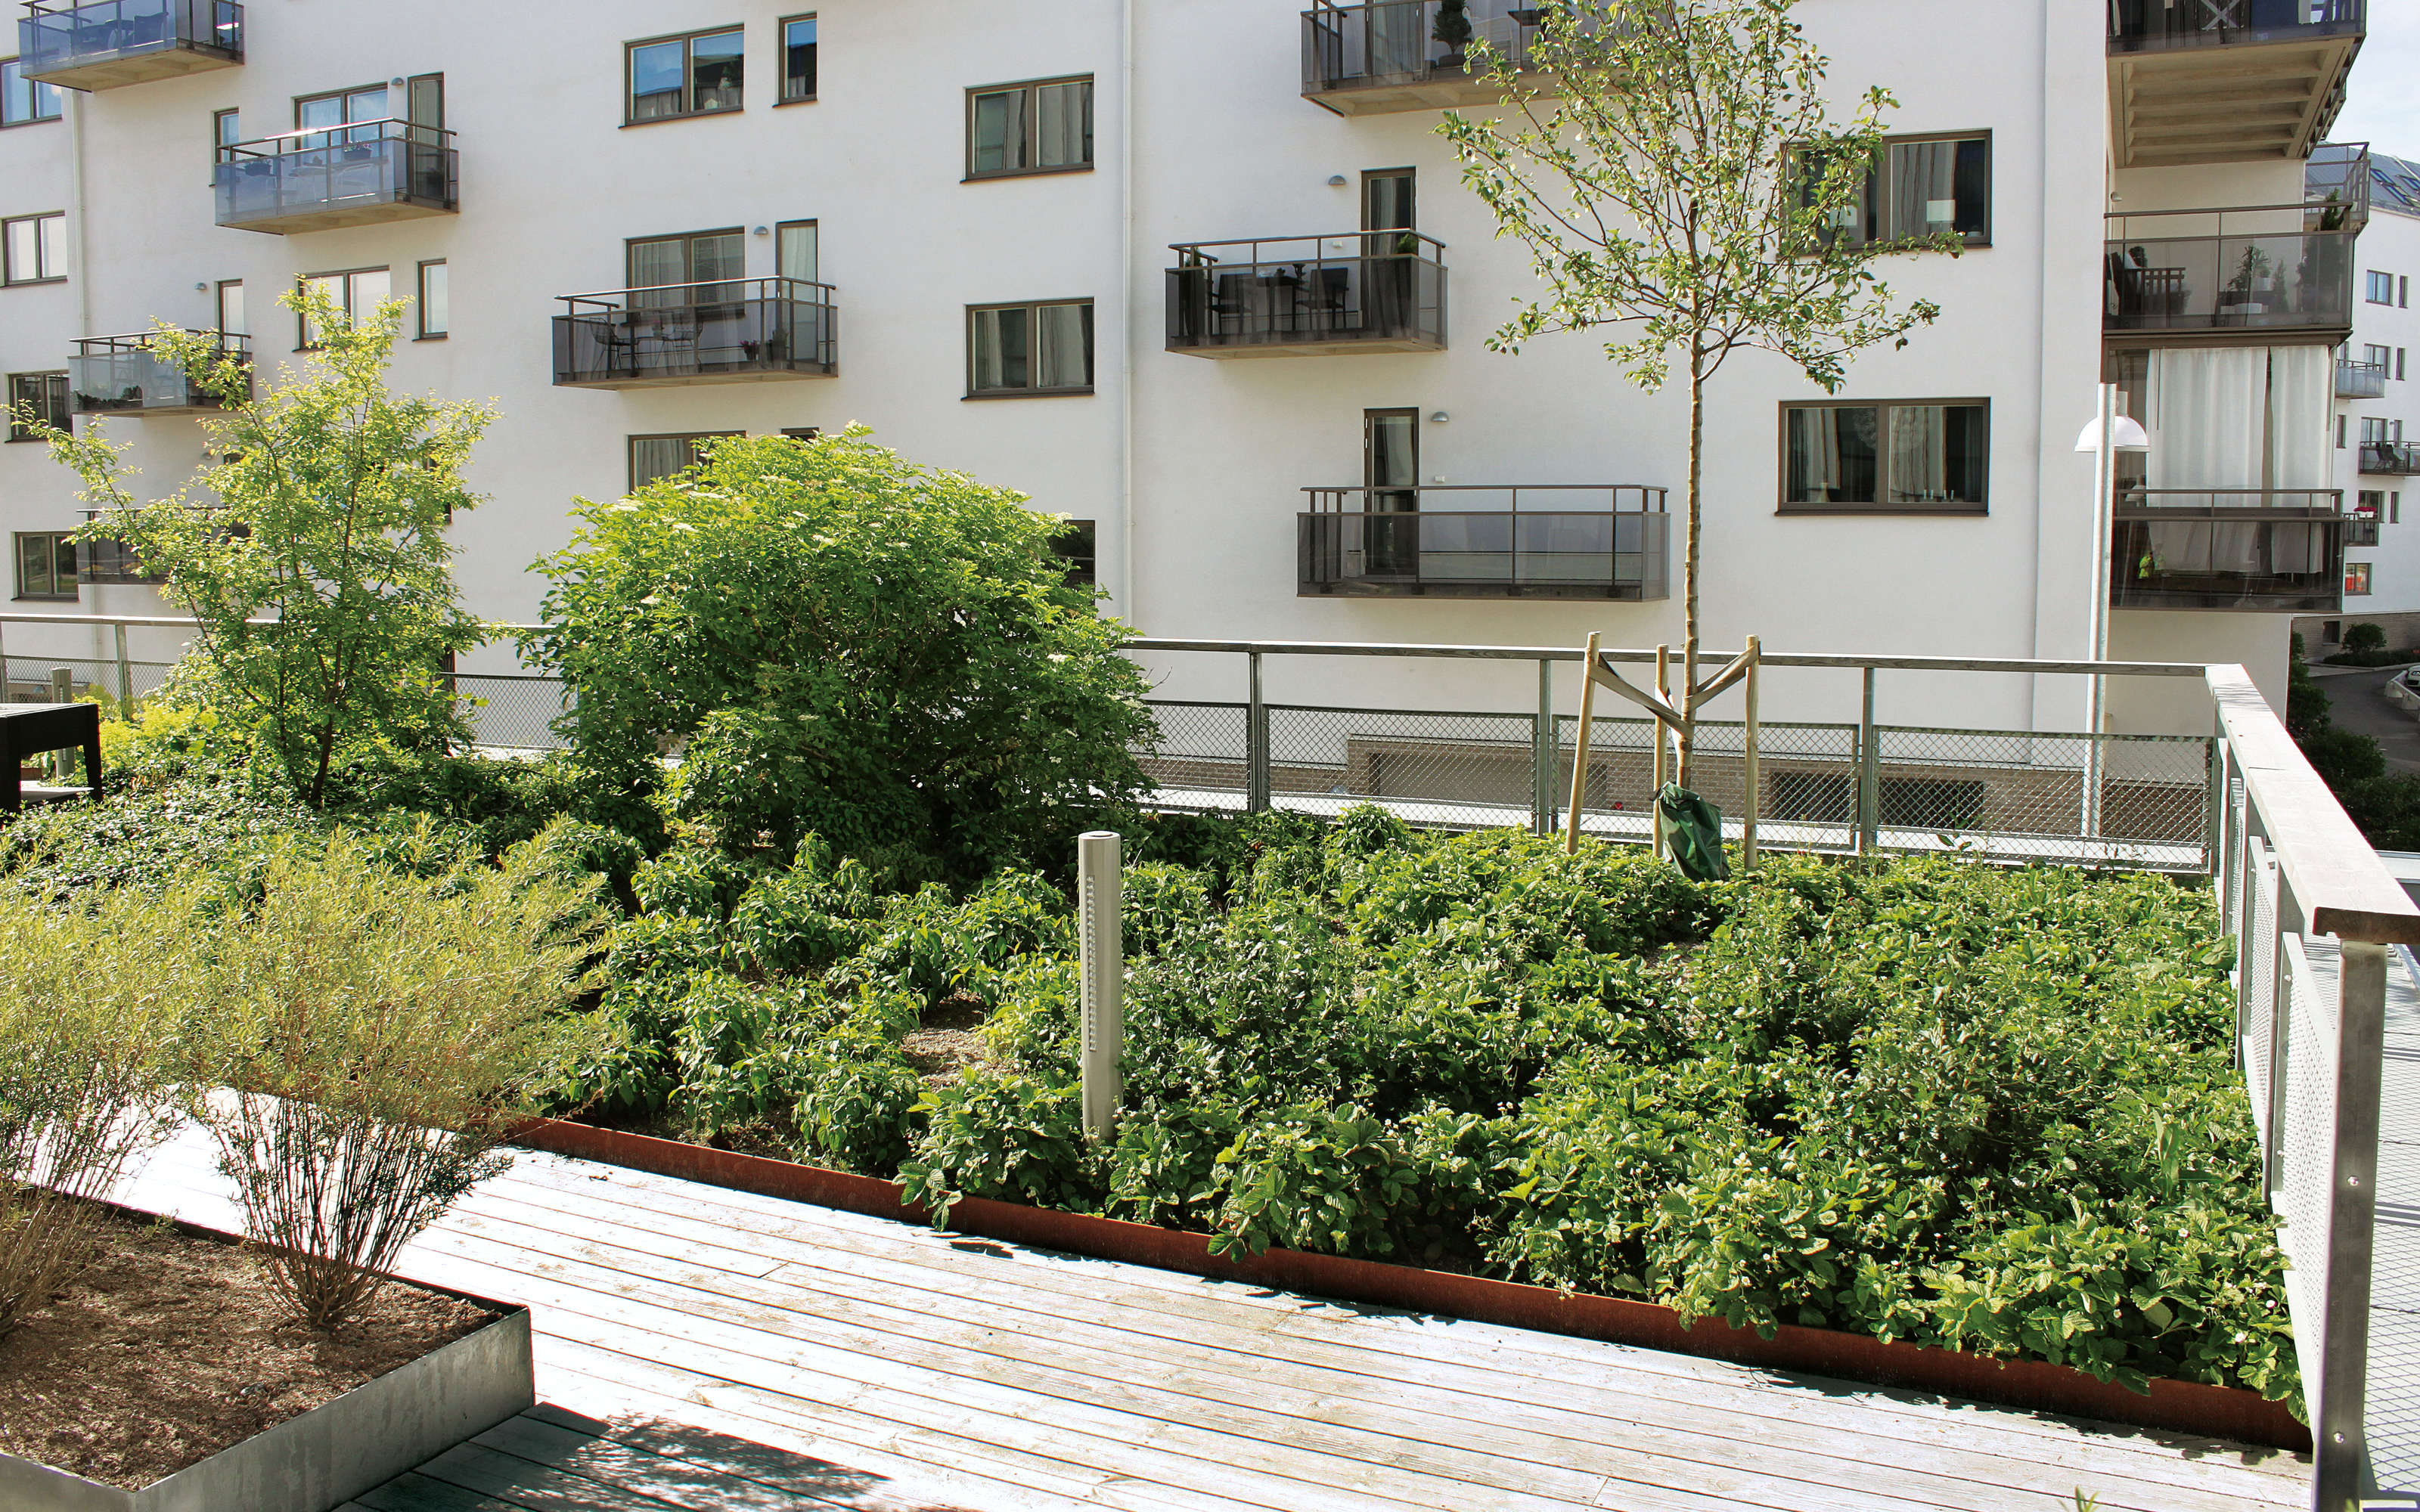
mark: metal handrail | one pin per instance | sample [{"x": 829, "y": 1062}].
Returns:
[
  {"x": 409, "y": 127},
  {"x": 2127, "y": 506},
  {"x": 604, "y": 300},
  {"x": 1643, "y": 491},
  {"x": 141, "y": 341},
  {"x": 1192, "y": 250}
]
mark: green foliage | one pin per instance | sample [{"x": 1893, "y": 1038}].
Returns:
[
  {"x": 2365, "y": 636},
  {"x": 2344, "y": 757},
  {"x": 1009, "y": 1137},
  {"x": 838, "y": 641},
  {"x": 142, "y": 839},
  {"x": 319, "y": 570}
]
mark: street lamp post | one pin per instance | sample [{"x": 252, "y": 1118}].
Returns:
[{"x": 2106, "y": 436}]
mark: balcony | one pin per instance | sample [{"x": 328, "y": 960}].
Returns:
[
  {"x": 2263, "y": 551},
  {"x": 2398, "y": 459},
  {"x": 2228, "y": 276},
  {"x": 319, "y": 180},
  {"x": 2361, "y": 529},
  {"x": 732, "y": 331},
  {"x": 1601, "y": 541},
  {"x": 1371, "y": 59},
  {"x": 123, "y": 375},
  {"x": 1379, "y": 291},
  {"x": 107, "y": 44},
  {"x": 2361, "y": 380},
  {"x": 2224, "y": 81}
]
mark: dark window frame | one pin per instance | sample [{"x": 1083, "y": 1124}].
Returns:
[
  {"x": 218, "y": 306},
  {"x": 1783, "y": 505},
  {"x": 420, "y": 301},
  {"x": 1077, "y": 544},
  {"x": 1031, "y": 117},
  {"x": 1879, "y": 215},
  {"x": 386, "y": 86},
  {"x": 221, "y": 139},
  {"x": 2378, "y": 279},
  {"x": 688, "y": 255},
  {"x": 2359, "y": 570},
  {"x": 782, "y": 59},
  {"x": 688, "y": 74},
  {"x": 17, "y": 566},
  {"x": 1091, "y": 351},
  {"x": 630, "y": 452},
  {"x": 34, "y": 88},
  {"x": 8, "y": 278},
  {"x": 54, "y": 403},
  {"x": 302, "y": 281}
]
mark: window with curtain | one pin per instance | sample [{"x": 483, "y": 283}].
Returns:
[
  {"x": 45, "y": 393},
  {"x": 34, "y": 247},
  {"x": 436, "y": 311},
  {"x": 347, "y": 107},
  {"x": 1895, "y": 458},
  {"x": 356, "y": 296},
  {"x": 2380, "y": 288},
  {"x": 1042, "y": 126},
  {"x": 660, "y": 456},
  {"x": 46, "y": 564},
  {"x": 24, "y": 100},
  {"x": 1921, "y": 188},
  {"x": 698, "y": 74},
  {"x": 1030, "y": 348},
  {"x": 231, "y": 322},
  {"x": 698, "y": 259},
  {"x": 798, "y": 59},
  {"x": 794, "y": 252},
  {"x": 227, "y": 129},
  {"x": 2356, "y": 579}
]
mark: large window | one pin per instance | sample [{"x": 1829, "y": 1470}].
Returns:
[
  {"x": 231, "y": 322},
  {"x": 1020, "y": 350},
  {"x": 46, "y": 564},
  {"x": 797, "y": 59},
  {"x": 45, "y": 393},
  {"x": 356, "y": 294},
  {"x": 1919, "y": 457},
  {"x": 342, "y": 108},
  {"x": 660, "y": 456},
  {"x": 2381, "y": 289},
  {"x": 436, "y": 312},
  {"x": 34, "y": 249},
  {"x": 24, "y": 100},
  {"x": 692, "y": 75},
  {"x": 1042, "y": 126},
  {"x": 697, "y": 258},
  {"x": 1924, "y": 186},
  {"x": 227, "y": 129}
]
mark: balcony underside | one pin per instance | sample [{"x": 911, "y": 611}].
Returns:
[
  {"x": 325, "y": 217},
  {"x": 1306, "y": 346},
  {"x": 2227, "y": 103},
  {"x": 136, "y": 65},
  {"x": 1441, "y": 90},
  {"x": 674, "y": 380},
  {"x": 1433, "y": 588}
]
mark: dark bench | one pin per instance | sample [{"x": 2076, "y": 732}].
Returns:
[{"x": 30, "y": 729}]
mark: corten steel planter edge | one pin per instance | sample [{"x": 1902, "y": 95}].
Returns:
[
  {"x": 345, "y": 1447},
  {"x": 2176, "y": 1406}
]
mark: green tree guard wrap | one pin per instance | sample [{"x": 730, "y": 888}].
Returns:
[{"x": 1692, "y": 832}]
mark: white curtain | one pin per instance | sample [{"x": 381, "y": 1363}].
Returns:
[
  {"x": 2205, "y": 432},
  {"x": 1919, "y": 461},
  {"x": 2302, "y": 406},
  {"x": 1923, "y": 179},
  {"x": 1063, "y": 125}
]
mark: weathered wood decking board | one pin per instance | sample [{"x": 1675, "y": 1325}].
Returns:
[{"x": 955, "y": 1371}]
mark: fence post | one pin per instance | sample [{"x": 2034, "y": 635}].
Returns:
[
  {"x": 125, "y": 678},
  {"x": 1754, "y": 800},
  {"x": 63, "y": 684},
  {"x": 1256, "y": 744},
  {"x": 1656, "y": 799},
  {"x": 1101, "y": 948},
  {"x": 1580, "y": 750},
  {"x": 1869, "y": 819},
  {"x": 2213, "y": 818},
  {"x": 2337, "y": 1438},
  {"x": 1541, "y": 755}
]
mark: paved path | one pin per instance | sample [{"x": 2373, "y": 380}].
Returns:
[{"x": 704, "y": 1348}]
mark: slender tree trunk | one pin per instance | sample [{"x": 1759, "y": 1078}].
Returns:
[{"x": 1689, "y": 565}]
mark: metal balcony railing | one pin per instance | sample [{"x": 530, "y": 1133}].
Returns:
[
  {"x": 2361, "y": 529},
  {"x": 1476, "y": 541},
  {"x": 2151, "y": 26},
  {"x": 339, "y": 176},
  {"x": 2335, "y": 187},
  {"x": 1389, "y": 54},
  {"x": 2398, "y": 457},
  {"x": 102, "y": 44},
  {"x": 123, "y": 375},
  {"x": 2263, "y": 550},
  {"x": 724, "y": 330},
  {"x": 2361, "y": 380},
  {"x": 2188, "y": 270},
  {"x": 1365, "y": 290}
]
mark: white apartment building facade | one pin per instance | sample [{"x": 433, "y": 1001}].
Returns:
[{"x": 1026, "y": 240}]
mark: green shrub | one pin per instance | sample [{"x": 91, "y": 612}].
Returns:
[
  {"x": 856, "y": 1104},
  {"x": 2365, "y": 636},
  {"x": 143, "y": 839},
  {"x": 1003, "y": 1135}
]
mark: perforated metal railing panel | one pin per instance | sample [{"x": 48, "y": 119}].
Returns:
[
  {"x": 2306, "y": 1146},
  {"x": 2256, "y": 976},
  {"x": 2392, "y": 1419}
]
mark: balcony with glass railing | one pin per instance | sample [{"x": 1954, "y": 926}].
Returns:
[
  {"x": 127, "y": 375},
  {"x": 321, "y": 178},
  {"x": 1394, "y": 55},
  {"x": 2259, "y": 550},
  {"x": 2395, "y": 458},
  {"x": 2221, "y": 80},
  {"x": 2361, "y": 380},
  {"x": 1371, "y": 291},
  {"x": 2236, "y": 274},
  {"x": 1597, "y": 541},
  {"x": 729, "y": 330},
  {"x": 102, "y": 44}
]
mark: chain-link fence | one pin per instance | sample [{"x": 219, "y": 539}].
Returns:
[
  {"x": 37, "y": 680},
  {"x": 510, "y": 711}
]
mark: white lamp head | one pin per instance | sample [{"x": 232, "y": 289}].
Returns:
[{"x": 2128, "y": 435}]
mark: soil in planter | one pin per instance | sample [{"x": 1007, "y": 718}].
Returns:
[
  {"x": 173, "y": 1348},
  {"x": 945, "y": 1043}
]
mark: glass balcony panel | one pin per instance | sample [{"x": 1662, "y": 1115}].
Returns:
[
  {"x": 2153, "y": 25},
  {"x": 1422, "y": 542},
  {"x": 1386, "y": 56},
  {"x": 124, "y": 375},
  {"x": 2393, "y": 457},
  {"x": 2361, "y": 380},
  {"x": 2269, "y": 551},
  {"x": 105, "y": 43},
  {"x": 2283, "y": 280},
  {"x": 358, "y": 175},
  {"x": 722, "y": 331}
]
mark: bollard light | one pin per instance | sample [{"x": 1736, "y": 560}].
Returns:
[{"x": 1102, "y": 969}]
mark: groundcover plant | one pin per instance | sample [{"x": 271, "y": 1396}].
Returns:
[{"x": 1981, "y": 1107}]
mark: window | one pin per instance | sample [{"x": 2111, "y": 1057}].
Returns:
[
  {"x": 797, "y": 59},
  {"x": 1043, "y": 127},
  {"x": 795, "y": 253},
  {"x": 676, "y": 265},
  {"x": 2370, "y": 502},
  {"x": 46, "y": 394},
  {"x": 1927, "y": 185},
  {"x": 2381, "y": 287},
  {"x": 692, "y": 75},
  {"x": 340, "y": 108},
  {"x": 1894, "y": 457},
  {"x": 660, "y": 456},
  {"x": 112, "y": 562},
  {"x": 2340, "y": 432},
  {"x": 227, "y": 129},
  {"x": 803, "y": 433},
  {"x": 46, "y": 564},
  {"x": 356, "y": 295},
  {"x": 2375, "y": 429},
  {"x": 34, "y": 249},
  {"x": 24, "y": 100},
  {"x": 1030, "y": 350},
  {"x": 1073, "y": 546},
  {"x": 2356, "y": 578},
  {"x": 435, "y": 319},
  {"x": 2378, "y": 356},
  {"x": 231, "y": 322}
]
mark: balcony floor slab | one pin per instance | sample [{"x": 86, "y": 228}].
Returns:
[{"x": 114, "y": 70}]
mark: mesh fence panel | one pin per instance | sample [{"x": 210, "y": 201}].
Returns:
[
  {"x": 1462, "y": 771},
  {"x": 1198, "y": 761},
  {"x": 29, "y": 678},
  {"x": 512, "y": 713},
  {"x": 2306, "y": 1151},
  {"x": 2257, "y": 979},
  {"x": 1805, "y": 771},
  {"x": 2021, "y": 795}
]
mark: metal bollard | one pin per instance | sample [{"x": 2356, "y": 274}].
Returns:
[
  {"x": 1098, "y": 898},
  {"x": 62, "y": 685}
]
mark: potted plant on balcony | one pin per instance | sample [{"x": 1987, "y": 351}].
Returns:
[
  {"x": 2248, "y": 291},
  {"x": 1453, "y": 32}
]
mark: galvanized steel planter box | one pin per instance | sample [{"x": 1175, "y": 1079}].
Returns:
[{"x": 334, "y": 1451}]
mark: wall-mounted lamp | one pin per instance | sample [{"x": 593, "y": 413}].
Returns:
[
  {"x": 202, "y": 288},
  {"x": 1439, "y": 418},
  {"x": 395, "y": 84},
  {"x": 762, "y": 231},
  {"x": 1336, "y": 180}
]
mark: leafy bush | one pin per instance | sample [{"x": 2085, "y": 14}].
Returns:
[
  {"x": 2365, "y": 636},
  {"x": 838, "y": 641},
  {"x": 142, "y": 839}
]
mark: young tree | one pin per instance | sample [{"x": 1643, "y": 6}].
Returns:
[
  {"x": 1688, "y": 184},
  {"x": 324, "y": 517}
]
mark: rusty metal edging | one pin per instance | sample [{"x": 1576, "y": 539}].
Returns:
[{"x": 2178, "y": 1406}]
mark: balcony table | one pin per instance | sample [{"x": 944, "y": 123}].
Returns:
[{"x": 30, "y": 729}]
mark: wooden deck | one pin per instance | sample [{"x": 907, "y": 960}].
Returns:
[{"x": 704, "y": 1349}]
